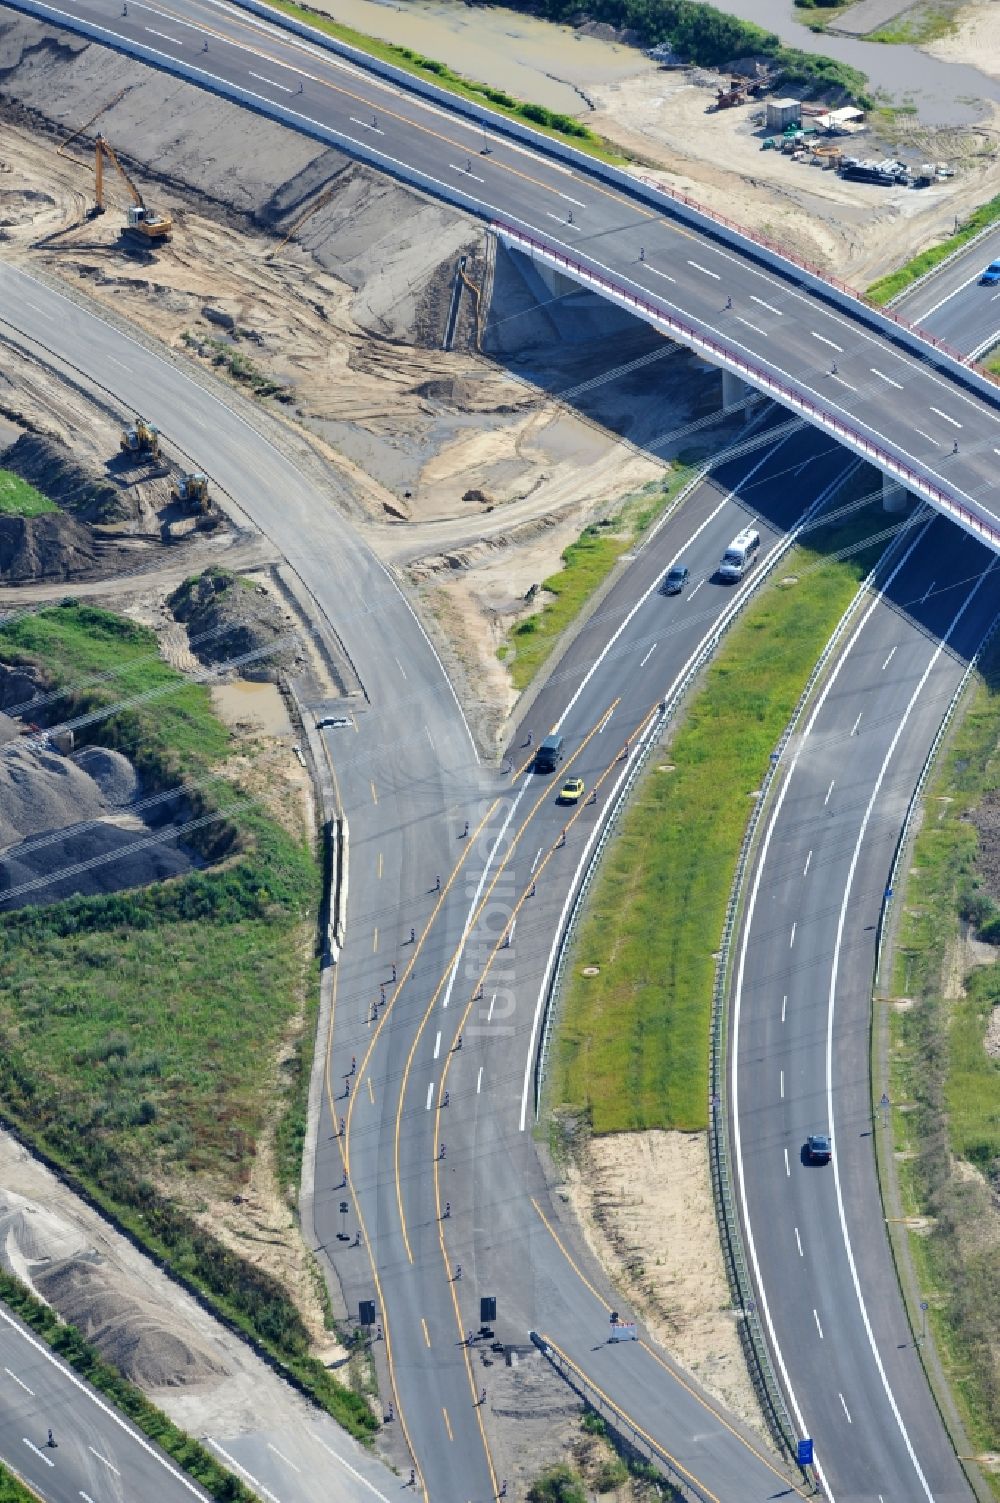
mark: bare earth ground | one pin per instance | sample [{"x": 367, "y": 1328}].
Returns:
[
  {"x": 350, "y": 322},
  {"x": 852, "y": 229},
  {"x": 644, "y": 1201},
  {"x": 855, "y": 230},
  {"x": 975, "y": 38}
]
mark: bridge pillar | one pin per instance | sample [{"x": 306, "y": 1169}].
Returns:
[
  {"x": 734, "y": 392},
  {"x": 895, "y": 497},
  {"x": 557, "y": 284}
]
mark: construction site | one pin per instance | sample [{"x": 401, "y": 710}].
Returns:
[{"x": 470, "y": 428}]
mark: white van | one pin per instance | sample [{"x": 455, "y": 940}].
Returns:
[{"x": 741, "y": 555}]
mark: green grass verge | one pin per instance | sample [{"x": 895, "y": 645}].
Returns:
[
  {"x": 631, "y": 1047},
  {"x": 77, "y": 1353},
  {"x": 585, "y": 565},
  {"x": 550, "y": 122},
  {"x": 14, "y": 1491},
  {"x": 947, "y": 1139},
  {"x": 890, "y": 286},
  {"x": 140, "y": 1028},
  {"x": 19, "y": 499}
]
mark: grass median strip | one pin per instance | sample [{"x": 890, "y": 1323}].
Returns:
[
  {"x": 895, "y": 282},
  {"x": 631, "y": 1047},
  {"x": 945, "y": 1059},
  {"x": 585, "y": 566}
]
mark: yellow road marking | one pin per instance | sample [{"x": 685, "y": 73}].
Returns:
[
  {"x": 414, "y": 956},
  {"x": 655, "y": 1354},
  {"x": 380, "y": 866},
  {"x": 653, "y": 1445},
  {"x": 427, "y": 1336},
  {"x": 375, "y": 939},
  {"x": 365, "y": 1239},
  {"x": 371, "y": 1090},
  {"x": 512, "y": 847},
  {"x": 447, "y": 1424}
]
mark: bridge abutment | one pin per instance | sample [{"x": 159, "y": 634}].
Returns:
[
  {"x": 895, "y": 497},
  {"x": 735, "y": 393}
]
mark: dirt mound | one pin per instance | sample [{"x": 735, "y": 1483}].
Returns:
[
  {"x": 53, "y": 1257},
  {"x": 113, "y": 773},
  {"x": 228, "y": 617},
  {"x": 52, "y": 546},
  {"x": 126, "y": 1331},
  {"x": 52, "y": 468},
  {"x": 58, "y": 813},
  {"x": 42, "y": 791},
  {"x": 30, "y": 1233},
  {"x": 49, "y": 871}
]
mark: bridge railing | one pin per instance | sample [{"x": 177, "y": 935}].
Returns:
[
  {"x": 897, "y": 466},
  {"x": 658, "y": 194}
]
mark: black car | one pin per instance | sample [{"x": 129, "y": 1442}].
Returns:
[
  {"x": 675, "y": 581},
  {"x": 818, "y": 1148}
]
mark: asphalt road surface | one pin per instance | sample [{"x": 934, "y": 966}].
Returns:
[
  {"x": 95, "y": 1454},
  {"x": 409, "y": 780},
  {"x": 801, "y": 1028},
  {"x": 910, "y": 406}
]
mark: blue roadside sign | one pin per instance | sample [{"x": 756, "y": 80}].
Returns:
[{"x": 804, "y": 1452}]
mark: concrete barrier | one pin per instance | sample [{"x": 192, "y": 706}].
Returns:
[
  {"x": 898, "y": 466},
  {"x": 678, "y": 205}
]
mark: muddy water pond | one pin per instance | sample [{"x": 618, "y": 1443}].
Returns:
[{"x": 554, "y": 65}]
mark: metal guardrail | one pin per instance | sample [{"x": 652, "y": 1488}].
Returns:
[
  {"x": 660, "y": 195},
  {"x": 668, "y": 708},
  {"x": 918, "y": 791},
  {"x": 636, "y": 1439},
  {"x": 741, "y": 1285},
  {"x": 729, "y": 358}
]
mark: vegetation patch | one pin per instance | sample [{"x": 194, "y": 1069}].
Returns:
[
  {"x": 701, "y": 34},
  {"x": 139, "y": 1030},
  {"x": 12, "y": 1490},
  {"x": 888, "y": 287},
  {"x": 19, "y": 499},
  {"x": 947, "y": 1140},
  {"x": 239, "y": 366},
  {"x": 631, "y": 1049},
  {"x": 586, "y": 565},
  {"x": 551, "y": 122},
  {"x": 77, "y": 1353}
]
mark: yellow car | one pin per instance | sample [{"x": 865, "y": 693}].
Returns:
[{"x": 570, "y": 791}]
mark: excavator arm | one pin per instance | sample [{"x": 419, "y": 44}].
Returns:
[{"x": 141, "y": 223}]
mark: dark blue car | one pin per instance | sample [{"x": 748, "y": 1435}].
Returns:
[{"x": 991, "y": 275}]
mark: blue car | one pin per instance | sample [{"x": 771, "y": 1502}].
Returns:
[{"x": 991, "y": 275}]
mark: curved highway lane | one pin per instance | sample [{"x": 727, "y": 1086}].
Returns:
[{"x": 801, "y": 1028}]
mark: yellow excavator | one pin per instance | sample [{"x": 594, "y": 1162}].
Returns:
[
  {"x": 191, "y": 490},
  {"x": 141, "y": 438},
  {"x": 142, "y": 226}
]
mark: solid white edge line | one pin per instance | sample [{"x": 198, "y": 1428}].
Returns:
[
  {"x": 738, "y": 1007},
  {"x": 831, "y": 1010},
  {"x": 106, "y": 1409}
]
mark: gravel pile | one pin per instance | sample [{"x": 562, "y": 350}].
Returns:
[
  {"x": 48, "y": 872},
  {"x": 127, "y": 1331},
  {"x": 41, "y": 791},
  {"x": 113, "y": 773}
]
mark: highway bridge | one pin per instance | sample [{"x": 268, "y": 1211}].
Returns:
[
  {"x": 409, "y": 778},
  {"x": 896, "y": 396}
]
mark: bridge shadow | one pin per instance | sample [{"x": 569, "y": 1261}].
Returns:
[{"x": 617, "y": 372}]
